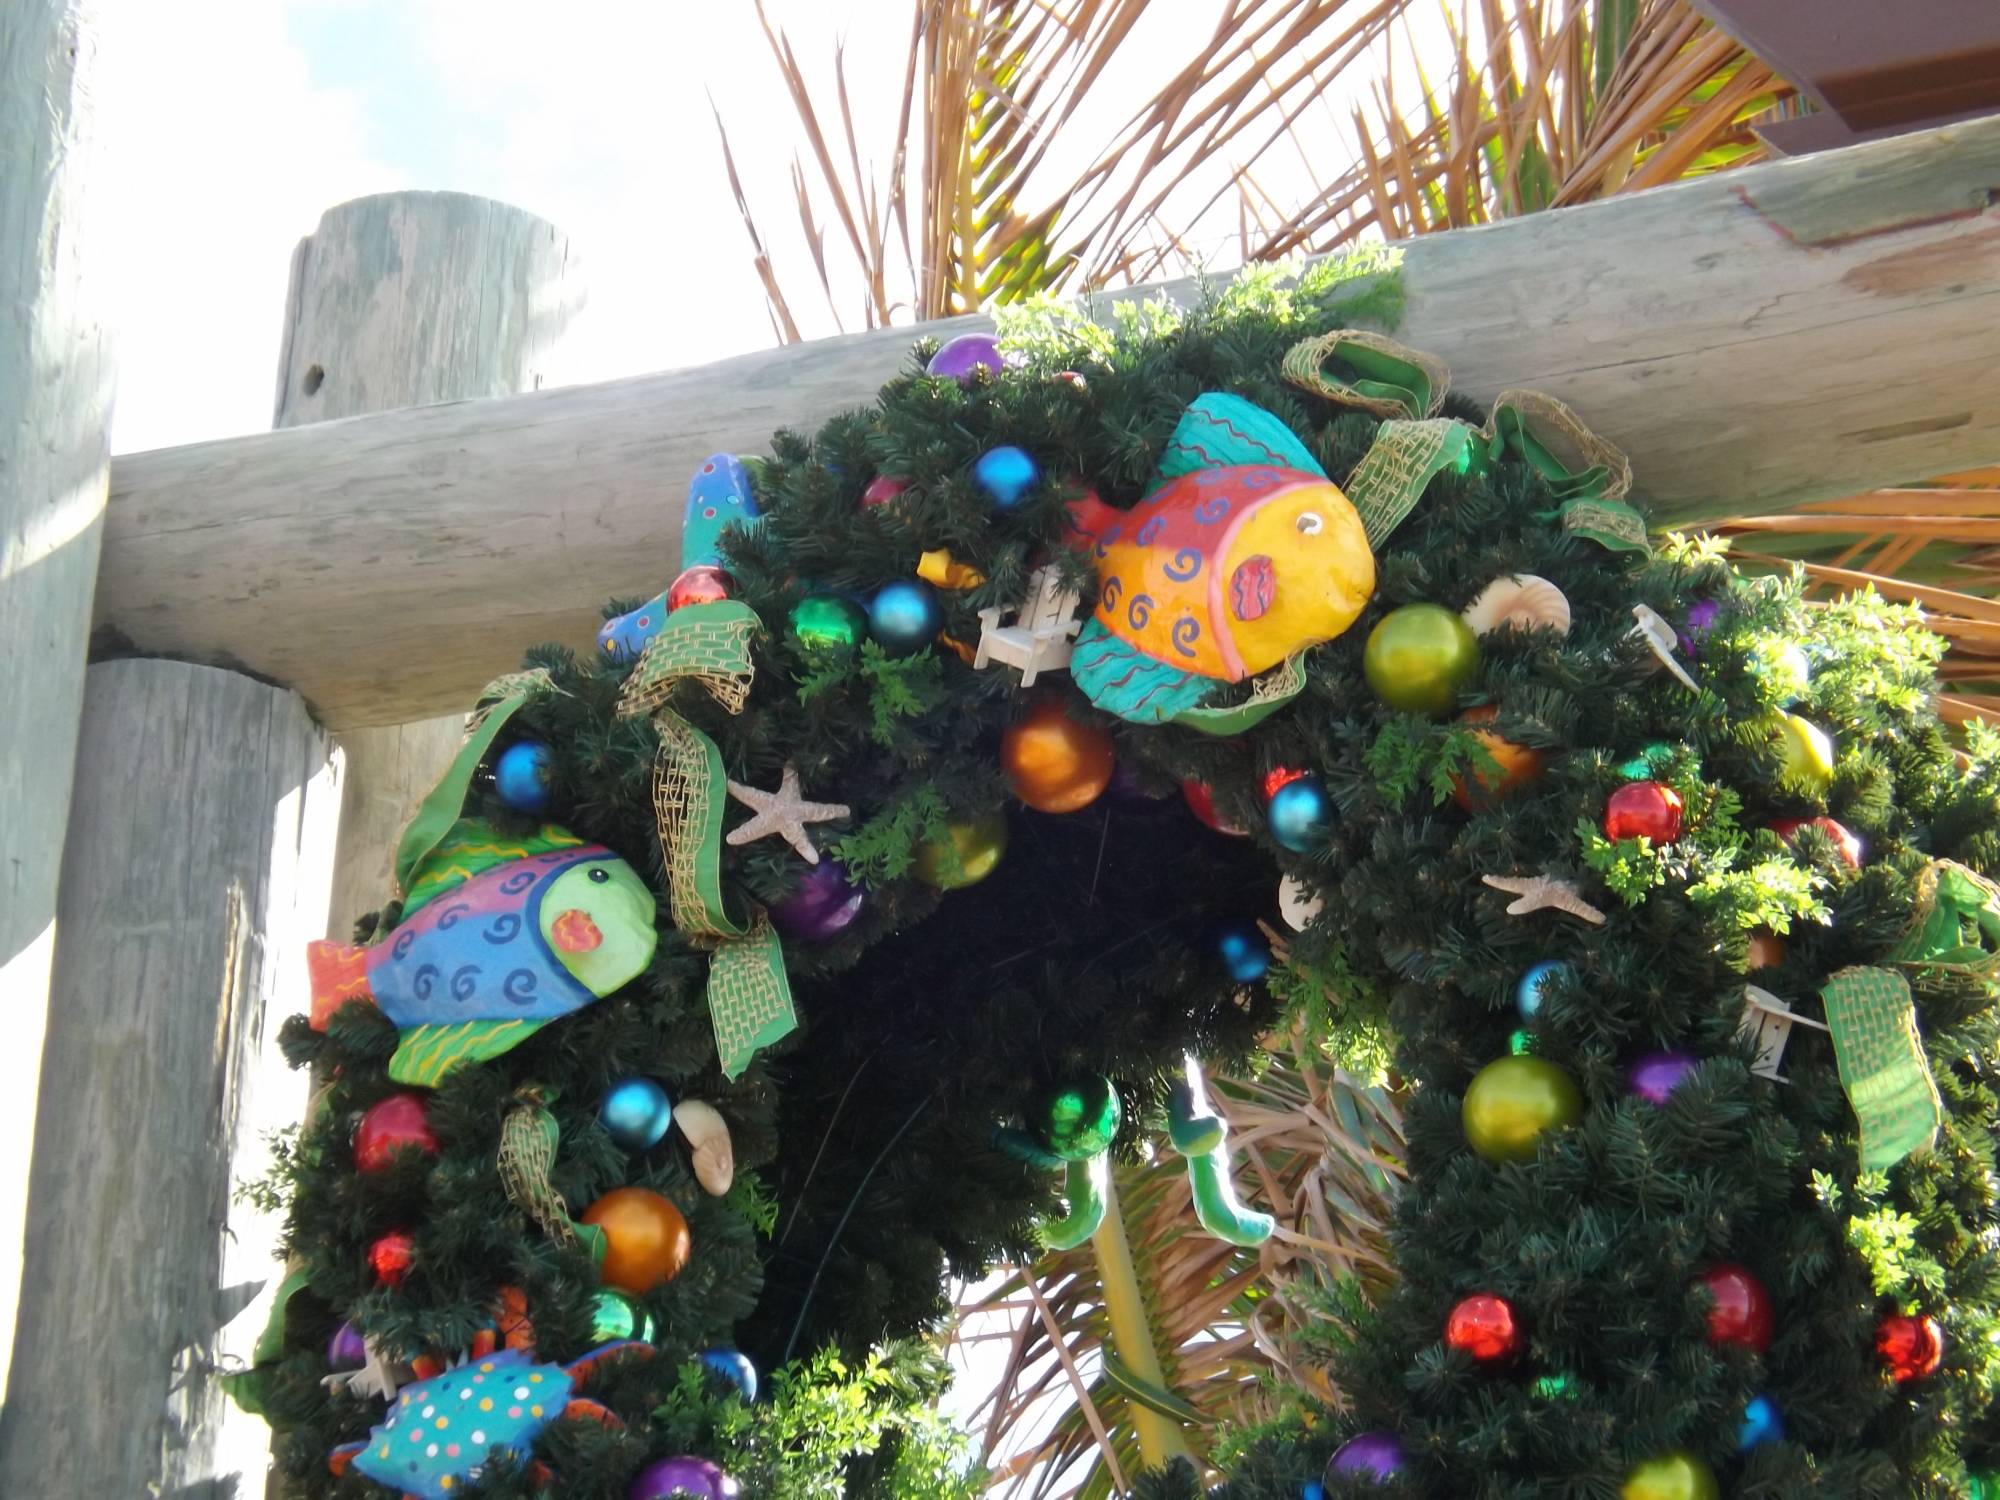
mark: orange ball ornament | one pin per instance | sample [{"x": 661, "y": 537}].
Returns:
[
  {"x": 1518, "y": 765},
  {"x": 1054, "y": 763},
  {"x": 646, "y": 1239}
]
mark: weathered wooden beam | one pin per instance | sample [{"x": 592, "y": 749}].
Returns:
[
  {"x": 401, "y": 299},
  {"x": 55, "y": 393},
  {"x": 1792, "y": 332},
  {"x": 195, "y": 869}
]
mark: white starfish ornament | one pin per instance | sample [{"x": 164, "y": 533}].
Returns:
[
  {"x": 1540, "y": 892},
  {"x": 784, "y": 813}
]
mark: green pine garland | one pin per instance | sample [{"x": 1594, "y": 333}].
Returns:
[{"x": 867, "y": 1167}]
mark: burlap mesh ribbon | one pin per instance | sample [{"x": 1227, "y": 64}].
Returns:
[
  {"x": 1883, "y": 1069},
  {"x": 1588, "y": 476},
  {"x": 708, "y": 645},
  {"x": 528, "y": 1139}
]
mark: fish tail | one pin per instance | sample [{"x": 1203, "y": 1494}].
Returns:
[
  {"x": 339, "y": 976},
  {"x": 1089, "y": 516}
]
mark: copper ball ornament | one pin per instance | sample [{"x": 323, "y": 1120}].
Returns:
[
  {"x": 1484, "y": 1326},
  {"x": 1515, "y": 766},
  {"x": 1054, "y": 762},
  {"x": 646, "y": 1239}
]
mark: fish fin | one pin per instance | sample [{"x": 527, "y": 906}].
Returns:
[
  {"x": 583, "y": 1409},
  {"x": 339, "y": 976},
  {"x": 1121, "y": 679},
  {"x": 427, "y": 1053},
  {"x": 584, "y": 1368},
  {"x": 470, "y": 847},
  {"x": 339, "y": 1458},
  {"x": 1219, "y": 431}
]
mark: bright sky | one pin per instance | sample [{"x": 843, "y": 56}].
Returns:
[{"x": 229, "y": 125}]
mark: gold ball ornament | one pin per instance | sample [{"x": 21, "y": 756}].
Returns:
[
  {"x": 1418, "y": 657},
  {"x": 1054, "y": 763},
  {"x": 646, "y": 1239},
  {"x": 1672, "y": 1476},
  {"x": 1807, "y": 752},
  {"x": 966, "y": 854},
  {"x": 1514, "y": 766},
  {"x": 1513, "y": 1102}
]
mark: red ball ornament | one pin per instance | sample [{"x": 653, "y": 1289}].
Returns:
[
  {"x": 1843, "y": 837},
  {"x": 1911, "y": 1347},
  {"x": 1201, "y": 802},
  {"x": 1741, "y": 1315},
  {"x": 1278, "y": 778},
  {"x": 882, "y": 489},
  {"x": 389, "y": 1126},
  {"x": 703, "y": 583},
  {"x": 391, "y": 1257},
  {"x": 1644, "y": 810},
  {"x": 1485, "y": 1327}
]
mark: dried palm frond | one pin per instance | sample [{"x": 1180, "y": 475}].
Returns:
[{"x": 1321, "y": 1151}]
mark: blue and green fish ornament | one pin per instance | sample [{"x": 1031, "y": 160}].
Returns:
[
  {"x": 1243, "y": 554},
  {"x": 719, "y": 496},
  {"x": 500, "y": 935}
]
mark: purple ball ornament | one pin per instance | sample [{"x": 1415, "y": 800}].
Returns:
[
  {"x": 1700, "y": 620},
  {"x": 1127, "y": 790},
  {"x": 1655, "y": 1075},
  {"x": 1377, "y": 1454},
  {"x": 821, "y": 905},
  {"x": 694, "y": 1478},
  {"x": 964, "y": 357},
  {"x": 347, "y": 1350}
]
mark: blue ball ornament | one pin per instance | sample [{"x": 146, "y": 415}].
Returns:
[
  {"x": 521, "y": 776},
  {"x": 1301, "y": 814},
  {"x": 1528, "y": 992},
  {"x": 733, "y": 1366},
  {"x": 1005, "y": 475},
  {"x": 636, "y": 1113},
  {"x": 1313, "y": 1490},
  {"x": 1761, "y": 1424},
  {"x": 1244, "y": 952},
  {"x": 905, "y": 617}
]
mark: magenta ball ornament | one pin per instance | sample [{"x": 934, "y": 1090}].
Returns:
[
  {"x": 691, "y": 1478},
  {"x": 821, "y": 906},
  {"x": 963, "y": 358},
  {"x": 1655, "y": 1075},
  {"x": 1379, "y": 1455}
]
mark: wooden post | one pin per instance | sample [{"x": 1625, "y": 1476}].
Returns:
[
  {"x": 403, "y": 299},
  {"x": 194, "y": 872},
  {"x": 54, "y": 394}
]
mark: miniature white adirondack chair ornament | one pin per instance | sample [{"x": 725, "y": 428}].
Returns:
[
  {"x": 1040, "y": 638},
  {"x": 1768, "y": 1022}
]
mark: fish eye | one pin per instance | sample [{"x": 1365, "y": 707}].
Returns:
[
  {"x": 1310, "y": 523},
  {"x": 599, "y": 874}
]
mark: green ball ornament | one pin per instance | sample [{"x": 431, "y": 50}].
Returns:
[
  {"x": 1513, "y": 1102},
  {"x": 829, "y": 624},
  {"x": 1418, "y": 657},
  {"x": 1077, "y": 1121},
  {"x": 615, "y": 1316},
  {"x": 1671, "y": 1476},
  {"x": 966, "y": 854}
]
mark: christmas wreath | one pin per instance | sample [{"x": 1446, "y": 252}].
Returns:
[{"x": 824, "y": 930}]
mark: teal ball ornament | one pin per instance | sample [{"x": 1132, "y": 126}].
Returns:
[
  {"x": 1244, "y": 952},
  {"x": 1528, "y": 992},
  {"x": 636, "y": 1113},
  {"x": 521, "y": 776},
  {"x": 1076, "y": 1121},
  {"x": 734, "y": 1366},
  {"x": 1301, "y": 814},
  {"x": 905, "y": 617},
  {"x": 1005, "y": 475},
  {"x": 1761, "y": 1424},
  {"x": 615, "y": 1317}
]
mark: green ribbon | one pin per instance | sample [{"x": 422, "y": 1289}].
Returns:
[
  {"x": 1356, "y": 368},
  {"x": 1271, "y": 692},
  {"x": 1399, "y": 466},
  {"x": 749, "y": 997},
  {"x": 1956, "y": 923},
  {"x": 1873, "y": 1021},
  {"x": 439, "y": 810}
]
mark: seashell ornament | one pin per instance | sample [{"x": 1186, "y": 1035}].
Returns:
[
  {"x": 1519, "y": 599},
  {"x": 708, "y": 1133}
]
